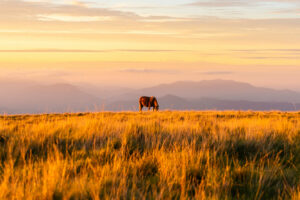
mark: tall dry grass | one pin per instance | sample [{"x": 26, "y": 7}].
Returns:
[{"x": 163, "y": 155}]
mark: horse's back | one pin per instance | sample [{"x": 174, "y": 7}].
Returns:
[
  {"x": 144, "y": 100},
  {"x": 144, "y": 97}
]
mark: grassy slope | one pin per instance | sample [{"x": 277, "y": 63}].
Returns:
[{"x": 172, "y": 155}]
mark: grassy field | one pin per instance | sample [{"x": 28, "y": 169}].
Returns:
[{"x": 162, "y": 155}]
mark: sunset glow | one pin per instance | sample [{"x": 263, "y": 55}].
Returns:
[{"x": 176, "y": 40}]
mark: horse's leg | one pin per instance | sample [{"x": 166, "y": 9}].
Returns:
[
  {"x": 141, "y": 107},
  {"x": 149, "y": 108}
]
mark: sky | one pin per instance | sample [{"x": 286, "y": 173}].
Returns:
[{"x": 143, "y": 43}]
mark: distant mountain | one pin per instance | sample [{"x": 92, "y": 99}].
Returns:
[
  {"x": 217, "y": 89},
  {"x": 103, "y": 92},
  {"x": 17, "y": 97},
  {"x": 171, "y": 102},
  {"x": 30, "y": 98}
]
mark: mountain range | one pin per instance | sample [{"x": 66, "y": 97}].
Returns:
[
  {"x": 18, "y": 97},
  {"x": 218, "y": 89}
]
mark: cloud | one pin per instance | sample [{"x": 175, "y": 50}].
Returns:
[
  {"x": 272, "y": 57},
  {"x": 41, "y": 15},
  {"x": 79, "y": 11},
  {"x": 75, "y": 11},
  {"x": 265, "y": 50},
  {"x": 150, "y": 50},
  {"x": 16, "y": 9},
  {"x": 287, "y": 50},
  {"x": 216, "y": 72},
  {"x": 251, "y": 9},
  {"x": 277, "y": 53},
  {"x": 52, "y": 51},
  {"x": 218, "y": 3},
  {"x": 66, "y": 18},
  {"x": 86, "y": 50},
  {"x": 39, "y": 73},
  {"x": 148, "y": 71},
  {"x": 288, "y": 11},
  {"x": 79, "y": 3},
  {"x": 237, "y": 3},
  {"x": 99, "y": 32},
  {"x": 165, "y": 19}
]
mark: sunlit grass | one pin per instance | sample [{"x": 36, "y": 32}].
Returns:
[{"x": 161, "y": 155}]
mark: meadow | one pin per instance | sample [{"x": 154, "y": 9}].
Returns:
[{"x": 160, "y": 155}]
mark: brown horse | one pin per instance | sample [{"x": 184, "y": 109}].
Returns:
[{"x": 148, "y": 102}]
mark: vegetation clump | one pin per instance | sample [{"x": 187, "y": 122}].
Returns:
[
  {"x": 147, "y": 167},
  {"x": 133, "y": 142}
]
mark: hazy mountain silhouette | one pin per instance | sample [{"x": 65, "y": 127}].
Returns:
[
  {"x": 211, "y": 94},
  {"x": 29, "y": 97},
  {"x": 102, "y": 92},
  {"x": 171, "y": 102},
  {"x": 218, "y": 89}
]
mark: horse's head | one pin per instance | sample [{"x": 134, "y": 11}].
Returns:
[{"x": 155, "y": 103}]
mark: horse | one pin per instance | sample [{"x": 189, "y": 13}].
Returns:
[{"x": 148, "y": 102}]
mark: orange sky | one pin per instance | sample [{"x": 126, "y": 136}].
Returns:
[{"x": 195, "y": 41}]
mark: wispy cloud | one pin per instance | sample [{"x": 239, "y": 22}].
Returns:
[
  {"x": 215, "y": 72},
  {"x": 238, "y": 3},
  {"x": 272, "y": 57},
  {"x": 52, "y": 51},
  {"x": 219, "y": 3},
  {"x": 260, "y": 54},
  {"x": 79, "y": 3},
  {"x": 150, "y": 50},
  {"x": 16, "y": 9},
  {"x": 40, "y": 73},
  {"x": 148, "y": 71},
  {"x": 265, "y": 50},
  {"x": 86, "y": 50},
  {"x": 67, "y": 18},
  {"x": 249, "y": 9}
]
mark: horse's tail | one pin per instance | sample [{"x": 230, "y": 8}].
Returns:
[{"x": 140, "y": 104}]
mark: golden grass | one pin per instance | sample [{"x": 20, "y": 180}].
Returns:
[{"x": 162, "y": 155}]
